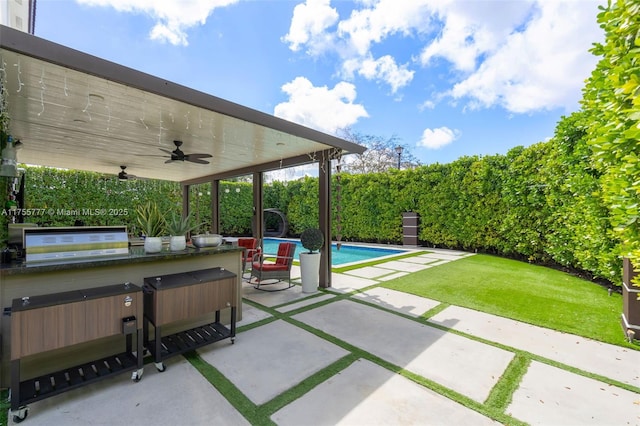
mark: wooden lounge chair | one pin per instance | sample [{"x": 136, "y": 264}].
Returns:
[{"x": 273, "y": 267}]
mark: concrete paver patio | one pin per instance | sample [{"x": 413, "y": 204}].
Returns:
[
  {"x": 551, "y": 396},
  {"x": 179, "y": 396},
  {"x": 371, "y": 334},
  {"x": 270, "y": 359},
  {"x": 466, "y": 366},
  {"x": 595, "y": 357},
  {"x": 368, "y": 395}
]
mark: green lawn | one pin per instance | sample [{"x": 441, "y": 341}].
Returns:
[{"x": 525, "y": 292}]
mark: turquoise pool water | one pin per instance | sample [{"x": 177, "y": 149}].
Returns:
[{"x": 346, "y": 254}]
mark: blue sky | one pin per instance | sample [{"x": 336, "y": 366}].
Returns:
[{"x": 447, "y": 77}]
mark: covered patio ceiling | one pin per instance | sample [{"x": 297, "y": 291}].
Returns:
[{"x": 73, "y": 110}]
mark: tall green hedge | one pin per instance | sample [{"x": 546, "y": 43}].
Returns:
[
  {"x": 542, "y": 203},
  {"x": 611, "y": 101}
]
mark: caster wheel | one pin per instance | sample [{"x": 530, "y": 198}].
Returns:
[
  {"x": 160, "y": 366},
  {"x": 136, "y": 376},
  {"x": 233, "y": 340},
  {"x": 20, "y": 415}
]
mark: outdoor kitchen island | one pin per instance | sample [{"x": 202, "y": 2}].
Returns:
[{"x": 19, "y": 280}]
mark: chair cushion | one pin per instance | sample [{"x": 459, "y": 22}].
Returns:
[
  {"x": 269, "y": 267},
  {"x": 285, "y": 251},
  {"x": 248, "y": 243}
]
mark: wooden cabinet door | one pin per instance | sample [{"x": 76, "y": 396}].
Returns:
[
  {"x": 47, "y": 328},
  {"x": 225, "y": 290},
  {"x": 104, "y": 315}
]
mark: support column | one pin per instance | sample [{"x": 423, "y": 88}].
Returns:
[
  {"x": 324, "y": 217},
  {"x": 258, "y": 207},
  {"x": 185, "y": 200},
  {"x": 215, "y": 207}
]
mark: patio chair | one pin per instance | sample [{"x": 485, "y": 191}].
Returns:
[
  {"x": 250, "y": 246},
  {"x": 273, "y": 267}
]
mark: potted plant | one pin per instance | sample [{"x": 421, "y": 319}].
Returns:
[
  {"x": 311, "y": 239},
  {"x": 152, "y": 225},
  {"x": 178, "y": 227}
]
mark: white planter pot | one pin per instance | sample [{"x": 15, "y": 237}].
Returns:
[
  {"x": 153, "y": 244},
  {"x": 310, "y": 271},
  {"x": 178, "y": 243}
]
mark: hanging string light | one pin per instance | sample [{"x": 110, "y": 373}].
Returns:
[
  {"x": 20, "y": 83},
  {"x": 42, "y": 89},
  {"x": 86, "y": 108},
  {"x": 144, "y": 114}
]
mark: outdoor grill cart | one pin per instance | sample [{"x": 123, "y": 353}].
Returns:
[
  {"x": 54, "y": 321},
  {"x": 172, "y": 299}
]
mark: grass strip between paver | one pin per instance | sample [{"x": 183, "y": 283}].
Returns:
[
  {"x": 434, "y": 311},
  {"x": 5, "y": 404},
  {"x": 290, "y": 395},
  {"x": 502, "y": 393},
  {"x": 252, "y": 412}
]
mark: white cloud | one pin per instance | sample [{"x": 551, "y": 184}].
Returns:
[
  {"x": 382, "y": 19},
  {"x": 521, "y": 55},
  {"x": 381, "y": 69},
  {"x": 321, "y": 108},
  {"x": 472, "y": 29},
  {"x": 532, "y": 57},
  {"x": 437, "y": 138},
  {"x": 308, "y": 25},
  {"x": 427, "y": 105},
  {"x": 173, "y": 17},
  {"x": 311, "y": 27}
]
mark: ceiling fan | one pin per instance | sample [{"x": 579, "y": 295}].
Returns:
[{"x": 178, "y": 155}]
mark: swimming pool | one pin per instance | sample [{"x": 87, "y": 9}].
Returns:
[{"x": 346, "y": 254}]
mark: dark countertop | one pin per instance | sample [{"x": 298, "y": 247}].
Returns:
[
  {"x": 136, "y": 255},
  {"x": 181, "y": 279},
  {"x": 35, "y": 302}
]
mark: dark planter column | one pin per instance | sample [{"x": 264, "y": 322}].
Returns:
[
  {"x": 630, "y": 302},
  {"x": 410, "y": 228}
]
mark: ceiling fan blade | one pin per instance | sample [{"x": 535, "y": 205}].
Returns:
[
  {"x": 199, "y": 155},
  {"x": 166, "y": 150},
  {"x": 169, "y": 161},
  {"x": 196, "y": 160}
]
